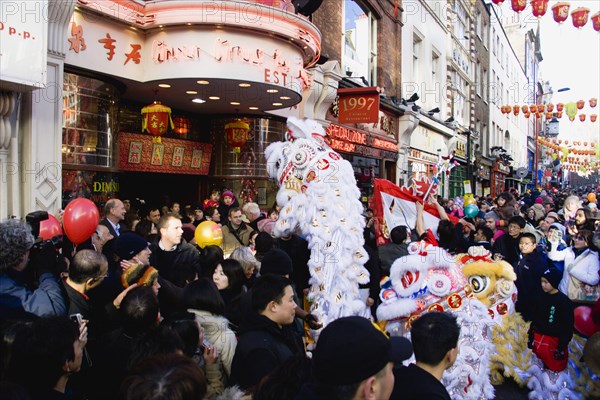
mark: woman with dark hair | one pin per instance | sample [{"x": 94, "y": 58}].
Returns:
[
  {"x": 581, "y": 264},
  {"x": 210, "y": 257},
  {"x": 229, "y": 278},
  {"x": 146, "y": 229},
  {"x": 185, "y": 325},
  {"x": 202, "y": 298}
]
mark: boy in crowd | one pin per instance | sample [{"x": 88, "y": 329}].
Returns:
[
  {"x": 552, "y": 326},
  {"x": 532, "y": 264}
]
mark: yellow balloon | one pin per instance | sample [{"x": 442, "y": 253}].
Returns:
[
  {"x": 469, "y": 199},
  {"x": 208, "y": 233}
]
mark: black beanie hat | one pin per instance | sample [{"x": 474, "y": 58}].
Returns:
[
  {"x": 553, "y": 276},
  {"x": 276, "y": 261},
  {"x": 129, "y": 244}
]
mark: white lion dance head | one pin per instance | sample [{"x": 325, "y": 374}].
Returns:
[{"x": 318, "y": 196}]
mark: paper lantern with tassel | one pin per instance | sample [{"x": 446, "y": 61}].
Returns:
[
  {"x": 525, "y": 109},
  {"x": 560, "y": 11},
  {"x": 539, "y": 7},
  {"x": 156, "y": 120},
  {"x": 560, "y": 107},
  {"x": 580, "y": 104},
  {"x": 533, "y": 108},
  {"x": 593, "y": 117},
  {"x": 549, "y": 107},
  {"x": 559, "y": 114},
  {"x": 582, "y": 117},
  {"x": 593, "y": 102},
  {"x": 237, "y": 133},
  {"x": 548, "y": 115},
  {"x": 580, "y": 17}
]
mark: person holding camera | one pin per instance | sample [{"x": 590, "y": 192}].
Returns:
[{"x": 20, "y": 258}]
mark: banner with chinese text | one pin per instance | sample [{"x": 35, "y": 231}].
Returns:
[{"x": 138, "y": 152}]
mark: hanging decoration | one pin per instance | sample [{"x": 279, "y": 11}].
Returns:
[
  {"x": 497, "y": 2},
  {"x": 582, "y": 117},
  {"x": 560, "y": 12},
  {"x": 549, "y": 107},
  {"x": 580, "y": 104},
  {"x": 560, "y": 107},
  {"x": 539, "y": 7},
  {"x": 518, "y": 5},
  {"x": 593, "y": 117},
  {"x": 236, "y": 132},
  {"x": 182, "y": 125},
  {"x": 571, "y": 110},
  {"x": 596, "y": 21},
  {"x": 580, "y": 17},
  {"x": 593, "y": 102},
  {"x": 156, "y": 120}
]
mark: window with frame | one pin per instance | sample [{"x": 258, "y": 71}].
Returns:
[
  {"x": 478, "y": 78},
  {"x": 461, "y": 24},
  {"x": 359, "y": 51},
  {"x": 484, "y": 84},
  {"x": 416, "y": 56},
  {"x": 435, "y": 66}
]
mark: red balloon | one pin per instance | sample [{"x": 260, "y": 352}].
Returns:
[
  {"x": 50, "y": 228},
  {"x": 80, "y": 220},
  {"x": 584, "y": 322}
]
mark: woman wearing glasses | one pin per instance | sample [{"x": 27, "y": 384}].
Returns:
[{"x": 580, "y": 276}]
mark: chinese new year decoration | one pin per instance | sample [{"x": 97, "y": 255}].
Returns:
[
  {"x": 539, "y": 7},
  {"x": 156, "y": 120},
  {"x": 498, "y": 2},
  {"x": 560, "y": 12},
  {"x": 182, "y": 125},
  {"x": 518, "y": 5},
  {"x": 237, "y": 134},
  {"x": 582, "y": 117},
  {"x": 593, "y": 117},
  {"x": 596, "y": 21},
  {"x": 580, "y": 17},
  {"x": 580, "y": 104},
  {"x": 593, "y": 102}
]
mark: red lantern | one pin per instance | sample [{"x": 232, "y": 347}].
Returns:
[
  {"x": 580, "y": 104},
  {"x": 566, "y": 142},
  {"x": 585, "y": 143},
  {"x": 582, "y": 117},
  {"x": 525, "y": 109},
  {"x": 237, "y": 134},
  {"x": 539, "y": 7},
  {"x": 593, "y": 117},
  {"x": 516, "y": 110},
  {"x": 593, "y": 102},
  {"x": 549, "y": 107},
  {"x": 580, "y": 17},
  {"x": 559, "y": 114},
  {"x": 538, "y": 115},
  {"x": 559, "y": 141},
  {"x": 533, "y": 108},
  {"x": 596, "y": 21},
  {"x": 156, "y": 120},
  {"x": 559, "y": 107},
  {"x": 527, "y": 114},
  {"x": 518, "y": 5},
  {"x": 182, "y": 125},
  {"x": 497, "y": 2},
  {"x": 548, "y": 115},
  {"x": 560, "y": 12}
]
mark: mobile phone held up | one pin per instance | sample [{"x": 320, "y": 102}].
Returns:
[{"x": 77, "y": 318}]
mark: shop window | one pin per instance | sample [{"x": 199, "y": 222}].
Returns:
[
  {"x": 89, "y": 122},
  {"x": 359, "y": 53}
]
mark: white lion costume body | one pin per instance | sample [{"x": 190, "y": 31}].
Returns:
[
  {"x": 428, "y": 280},
  {"x": 318, "y": 196}
]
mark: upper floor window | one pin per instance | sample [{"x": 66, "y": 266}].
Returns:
[
  {"x": 461, "y": 24},
  {"x": 359, "y": 53}
]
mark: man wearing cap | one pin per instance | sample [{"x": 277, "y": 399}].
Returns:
[
  {"x": 266, "y": 340},
  {"x": 434, "y": 338},
  {"x": 134, "y": 253},
  {"x": 354, "y": 360}
]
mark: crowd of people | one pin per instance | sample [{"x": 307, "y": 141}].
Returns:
[{"x": 142, "y": 311}]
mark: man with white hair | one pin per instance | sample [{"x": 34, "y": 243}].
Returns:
[{"x": 252, "y": 212}]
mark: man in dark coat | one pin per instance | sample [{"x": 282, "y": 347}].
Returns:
[
  {"x": 267, "y": 339},
  {"x": 390, "y": 252}
]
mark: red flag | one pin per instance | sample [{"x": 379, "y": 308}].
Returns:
[{"x": 394, "y": 205}]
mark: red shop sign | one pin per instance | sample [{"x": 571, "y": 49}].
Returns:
[{"x": 358, "y": 105}]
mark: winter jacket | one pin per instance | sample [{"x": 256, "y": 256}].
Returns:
[
  {"x": 262, "y": 347},
  {"x": 230, "y": 242},
  {"x": 218, "y": 333},
  {"x": 390, "y": 252},
  {"x": 177, "y": 265},
  {"x": 529, "y": 271},
  {"x": 583, "y": 267},
  {"x": 15, "y": 297}
]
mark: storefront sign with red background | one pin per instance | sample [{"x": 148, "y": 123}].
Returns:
[
  {"x": 138, "y": 152},
  {"x": 358, "y": 105}
]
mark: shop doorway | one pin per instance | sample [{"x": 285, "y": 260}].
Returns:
[{"x": 160, "y": 189}]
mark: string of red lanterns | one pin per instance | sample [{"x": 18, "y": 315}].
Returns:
[{"x": 560, "y": 12}]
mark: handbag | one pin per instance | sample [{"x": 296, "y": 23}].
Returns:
[{"x": 579, "y": 291}]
